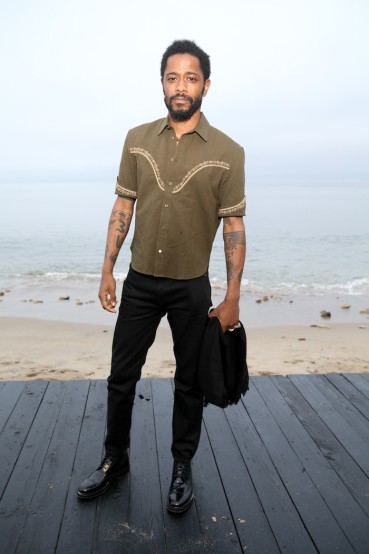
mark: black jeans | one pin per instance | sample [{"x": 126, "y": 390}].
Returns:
[{"x": 145, "y": 300}]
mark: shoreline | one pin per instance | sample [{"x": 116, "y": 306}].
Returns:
[
  {"x": 256, "y": 310},
  {"x": 43, "y": 349}
]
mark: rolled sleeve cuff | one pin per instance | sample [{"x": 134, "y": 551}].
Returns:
[
  {"x": 237, "y": 210},
  {"x": 120, "y": 190}
]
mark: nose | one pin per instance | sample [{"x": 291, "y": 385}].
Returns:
[{"x": 181, "y": 85}]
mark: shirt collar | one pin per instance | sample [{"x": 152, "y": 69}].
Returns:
[{"x": 202, "y": 128}]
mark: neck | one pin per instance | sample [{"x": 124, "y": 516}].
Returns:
[{"x": 182, "y": 127}]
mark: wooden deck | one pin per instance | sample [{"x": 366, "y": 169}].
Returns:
[{"x": 287, "y": 470}]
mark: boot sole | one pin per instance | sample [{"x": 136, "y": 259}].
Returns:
[
  {"x": 106, "y": 487},
  {"x": 181, "y": 509}
]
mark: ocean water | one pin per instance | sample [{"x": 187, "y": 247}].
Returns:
[{"x": 300, "y": 239}]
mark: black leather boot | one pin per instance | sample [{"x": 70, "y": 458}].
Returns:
[
  {"x": 100, "y": 480},
  {"x": 180, "y": 494}
]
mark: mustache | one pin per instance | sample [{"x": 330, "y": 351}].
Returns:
[{"x": 184, "y": 96}]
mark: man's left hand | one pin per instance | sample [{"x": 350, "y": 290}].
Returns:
[{"x": 228, "y": 313}]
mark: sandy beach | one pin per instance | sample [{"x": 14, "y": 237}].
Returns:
[{"x": 284, "y": 336}]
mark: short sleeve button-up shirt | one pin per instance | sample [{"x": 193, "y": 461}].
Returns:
[{"x": 182, "y": 190}]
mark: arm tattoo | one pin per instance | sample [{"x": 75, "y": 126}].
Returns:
[
  {"x": 113, "y": 257},
  {"x": 119, "y": 241},
  {"x": 231, "y": 242},
  {"x": 122, "y": 220}
]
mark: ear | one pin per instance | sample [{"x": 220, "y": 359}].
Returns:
[{"x": 206, "y": 87}]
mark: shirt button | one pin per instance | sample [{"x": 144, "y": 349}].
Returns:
[
  {"x": 170, "y": 183},
  {"x": 160, "y": 251},
  {"x": 166, "y": 205},
  {"x": 172, "y": 159}
]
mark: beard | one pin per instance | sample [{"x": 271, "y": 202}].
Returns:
[{"x": 183, "y": 114}]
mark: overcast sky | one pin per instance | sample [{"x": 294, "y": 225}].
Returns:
[{"x": 290, "y": 82}]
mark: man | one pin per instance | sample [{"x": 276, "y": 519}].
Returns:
[{"x": 184, "y": 177}]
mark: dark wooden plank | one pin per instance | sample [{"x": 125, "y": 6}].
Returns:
[
  {"x": 146, "y": 509},
  {"x": 16, "y": 429},
  {"x": 182, "y": 534},
  {"x": 220, "y": 534},
  {"x": 351, "y": 393},
  {"x": 21, "y": 486},
  {"x": 338, "y": 415},
  {"x": 9, "y": 394},
  {"x": 318, "y": 519},
  {"x": 359, "y": 382},
  {"x": 341, "y": 404},
  {"x": 42, "y": 525},
  {"x": 348, "y": 514},
  {"x": 210, "y": 500},
  {"x": 349, "y": 472},
  {"x": 112, "y": 531},
  {"x": 78, "y": 524},
  {"x": 139, "y": 530},
  {"x": 247, "y": 512},
  {"x": 288, "y": 529}
]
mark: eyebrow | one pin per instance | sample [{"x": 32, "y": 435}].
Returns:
[{"x": 186, "y": 73}]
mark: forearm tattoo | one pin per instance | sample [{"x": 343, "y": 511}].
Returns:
[
  {"x": 232, "y": 241},
  {"x": 121, "y": 221}
]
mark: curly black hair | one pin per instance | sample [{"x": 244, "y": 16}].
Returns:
[{"x": 187, "y": 47}]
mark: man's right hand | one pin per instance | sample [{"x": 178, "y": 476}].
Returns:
[{"x": 107, "y": 292}]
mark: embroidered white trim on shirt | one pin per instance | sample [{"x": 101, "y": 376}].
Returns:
[
  {"x": 154, "y": 165},
  {"x": 125, "y": 192},
  {"x": 199, "y": 167},
  {"x": 186, "y": 178},
  {"x": 229, "y": 211}
]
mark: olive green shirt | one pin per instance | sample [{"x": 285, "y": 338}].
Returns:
[{"x": 182, "y": 190}]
